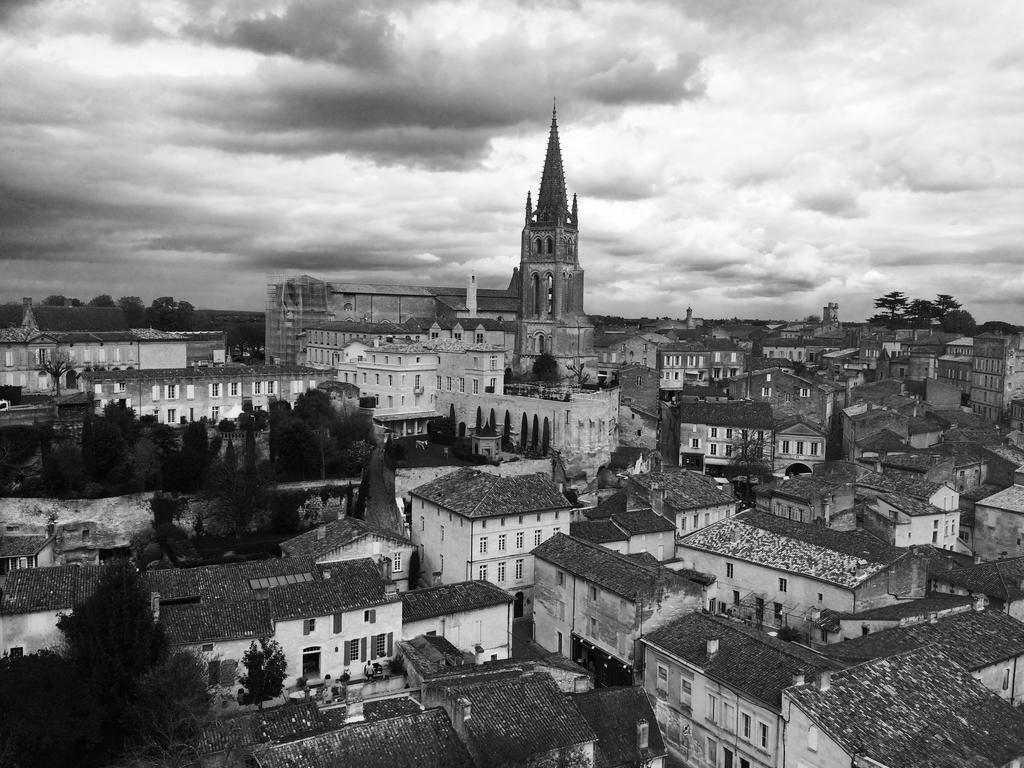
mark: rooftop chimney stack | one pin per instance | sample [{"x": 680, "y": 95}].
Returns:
[
  {"x": 154, "y": 605},
  {"x": 824, "y": 680},
  {"x": 471, "y": 295},
  {"x": 354, "y": 711},
  {"x": 643, "y": 731},
  {"x": 798, "y": 678},
  {"x": 712, "y": 646},
  {"x": 321, "y": 532},
  {"x": 464, "y": 709}
]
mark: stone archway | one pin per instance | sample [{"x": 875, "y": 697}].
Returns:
[{"x": 797, "y": 468}]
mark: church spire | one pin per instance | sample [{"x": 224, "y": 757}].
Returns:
[{"x": 552, "y": 206}]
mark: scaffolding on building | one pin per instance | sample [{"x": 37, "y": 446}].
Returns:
[{"x": 293, "y": 303}]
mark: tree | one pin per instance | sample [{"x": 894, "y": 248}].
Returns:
[
  {"x": 113, "y": 639},
  {"x": 578, "y": 373},
  {"x": 169, "y": 709},
  {"x": 237, "y": 488},
  {"x": 103, "y": 300},
  {"x": 58, "y": 300},
  {"x": 57, "y": 365},
  {"x": 49, "y": 716},
  {"x": 166, "y": 314},
  {"x": 959, "y": 321},
  {"x": 920, "y": 311},
  {"x": 194, "y": 457},
  {"x": 545, "y": 368},
  {"x": 134, "y": 311},
  {"x": 893, "y": 303},
  {"x": 265, "y": 670},
  {"x": 750, "y": 457},
  {"x": 246, "y": 340},
  {"x": 944, "y": 304}
]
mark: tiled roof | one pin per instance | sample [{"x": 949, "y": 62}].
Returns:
[
  {"x": 515, "y": 719},
  {"x": 683, "y": 489},
  {"x": 617, "y": 502},
  {"x": 352, "y": 584},
  {"x": 915, "y": 710},
  {"x": 22, "y": 546},
  {"x": 221, "y": 580},
  {"x": 908, "y": 608},
  {"x": 759, "y": 665},
  {"x": 845, "y": 558},
  {"x": 613, "y": 714},
  {"x": 910, "y": 505},
  {"x": 637, "y": 522},
  {"x": 901, "y": 482},
  {"x": 297, "y": 719},
  {"x": 1003, "y": 579},
  {"x": 610, "y": 570},
  {"x": 598, "y": 531},
  {"x": 338, "y": 533},
  {"x": 883, "y": 440},
  {"x": 49, "y": 589},
  {"x": 805, "y": 487},
  {"x": 735, "y": 413},
  {"x": 974, "y": 639},
  {"x": 382, "y": 709},
  {"x": 208, "y": 622},
  {"x": 1011, "y": 498},
  {"x": 473, "y": 493},
  {"x": 447, "y": 599},
  {"x": 422, "y": 740}
]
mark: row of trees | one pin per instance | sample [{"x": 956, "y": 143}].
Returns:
[
  {"x": 116, "y": 691},
  {"x": 163, "y": 313},
  {"x": 899, "y": 310}
]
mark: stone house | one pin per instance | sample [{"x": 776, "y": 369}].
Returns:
[
  {"x": 19, "y": 551},
  {"x": 471, "y": 525},
  {"x": 1001, "y": 582},
  {"x": 716, "y": 687},
  {"x": 807, "y": 499},
  {"x": 709, "y": 434},
  {"x": 904, "y": 521},
  {"x": 999, "y": 524},
  {"x": 593, "y": 604},
  {"x": 688, "y": 500},
  {"x": 629, "y": 531},
  {"x": 34, "y": 598},
  {"x": 474, "y": 616},
  {"x": 799, "y": 445},
  {"x": 776, "y": 572}
]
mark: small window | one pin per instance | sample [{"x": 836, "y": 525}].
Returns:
[
  {"x": 16, "y": 652},
  {"x": 783, "y": 585},
  {"x": 812, "y": 739},
  {"x": 207, "y": 647},
  {"x": 728, "y": 570},
  {"x": 593, "y": 594},
  {"x": 337, "y": 623},
  {"x": 308, "y": 626},
  {"x": 370, "y": 616}
]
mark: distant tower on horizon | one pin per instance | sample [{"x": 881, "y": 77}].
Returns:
[
  {"x": 551, "y": 317},
  {"x": 830, "y": 314}
]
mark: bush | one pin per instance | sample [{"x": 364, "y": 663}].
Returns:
[{"x": 227, "y": 425}]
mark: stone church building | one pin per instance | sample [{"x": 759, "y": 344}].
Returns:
[{"x": 544, "y": 296}]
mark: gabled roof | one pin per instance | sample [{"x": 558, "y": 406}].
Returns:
[
  {"x": 915, "y": 710},
  {"x": 613, "y": 714},
  {"x": 637, "y": 522},
  {"x": 515, "y": 719},
  {"x": 337, "y": 534},
  {"x": 214, "y": 621},
  {"x": 1010, "y": 499},
  {"x": 683, "y": 489},
  {"x": 900, "y": 482},
  {"x": 616, "y": 573},
  {"x": 602, "y": 531},
  {"x": 22, "y": 546},
  {"x": 1002, "y": 579},
  {"x": 805, "y": 487},
  {"x": 447, "y": 599},
  {"x": 883, "y": 440},
  {"x": 910, "y": 505},
  {"x": 974, "y": 639},
  {"x": 798, "y": 425},
  {"x": 79, "y": 318},
  {"x": 751, "y": 661},
  {"x": 846, "y": 558},
  {"x": 422, "y": 740},
  {"x": 734, "y": 413},
  {"x": 265, "y": 725},
  {"x": 473, "y": 493},
  {"x": 57, "y": 588},
  {"x": 352, "y": 584}
]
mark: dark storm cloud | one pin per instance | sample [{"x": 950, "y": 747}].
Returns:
[
  {"x": 775, "y": 286},
  {"x": 833, "y": 203}
]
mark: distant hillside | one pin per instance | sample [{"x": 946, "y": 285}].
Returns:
[{"x": 221, "y": 319}]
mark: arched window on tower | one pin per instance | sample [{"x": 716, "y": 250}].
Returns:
[
  {"x": 566, "y": 291},
  {"x": 540, "y": 343},
  {"x": 535, "y": 309},
  {"x": 550, "y": 293},
  {"x": 537, "y": 244},
  {"x": 551, "y": 244}
]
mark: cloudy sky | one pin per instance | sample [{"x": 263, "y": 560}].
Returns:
[{"x": 755, "y": 158}]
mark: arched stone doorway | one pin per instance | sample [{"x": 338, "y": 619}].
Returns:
[
  {"x": 518, "y": 605},
  {"x": 462, "y": 429},
  {"x": 797, "y": 469}
]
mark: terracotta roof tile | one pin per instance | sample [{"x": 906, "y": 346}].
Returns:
[
  {"x": 338, "y": 533},
  {"x": 451, "y": 598},
  {"x": 473, "y": 493},
  {"x": 613, "y": 714},
  {"x": 251, "y": 728},
  {"x": 60, "y": 587}
]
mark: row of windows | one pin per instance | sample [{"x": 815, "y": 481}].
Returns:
[
  {"x": 502, "y": 539},
  {"x": 812, "y": 446},
  {"x": 309, "y": 625},
  {"x": 500, "y": 570},
  {"x": 214, "y": 389}
]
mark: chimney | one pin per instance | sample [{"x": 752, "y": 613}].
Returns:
[
  {"x": 643, "y": 731},
  {"x": 712, "y": 646},
  {"x": 657, "y": 498},
  {"x": 438, "y": 579},
  {"x": 824, "y": 680},
  {"x": 354, "y": 711},
  {"x": 464, "y": 710},
  {"x": 154, "y": 605},
  {"x": 798, "y": 678},
  {"x": 933, "y": 617},
  {"x": 471, "y": 295},
  {"x": 385, "y": 568},
  {"x": 979, "y": 602},
  {"x": 321, "y": 532}
]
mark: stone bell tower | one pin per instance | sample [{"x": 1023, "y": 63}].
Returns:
[{"x": 551, "y": 317}]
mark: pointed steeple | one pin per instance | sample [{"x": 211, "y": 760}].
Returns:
[
  {"x": 529, "y": 207},
  {"x": 552, "y": 205}
]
